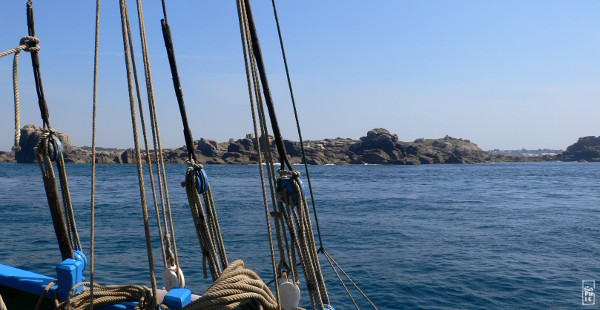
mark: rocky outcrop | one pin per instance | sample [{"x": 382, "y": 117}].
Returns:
[
  {"x": 585, "y": 149},
  {"x": 30, "y": 135},
  {"x": 7, "y": 157},
  {"x": 379, "y": 146}
]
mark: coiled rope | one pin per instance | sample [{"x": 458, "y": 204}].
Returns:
[
  {"x": 27, "y": 44},
  {"x": 2, "y": 305},
  {"x": 103, "y": 295},
  {"x": 236, "y": 287}
]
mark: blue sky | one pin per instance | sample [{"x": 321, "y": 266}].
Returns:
[{"x": 504, "y": 74}]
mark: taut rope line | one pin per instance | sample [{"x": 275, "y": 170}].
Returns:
[
  {"x": 93, "y": 185},
  {"x": 147, "y": 153},
  {"x": 249, "y": 61},
  {"x": 205, "y": 216},
  {"x": 126, "y": 34},
  {"x": 289, "y": 80}
]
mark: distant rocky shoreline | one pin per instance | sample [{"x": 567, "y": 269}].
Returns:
[{"x": 379, "y": 146}]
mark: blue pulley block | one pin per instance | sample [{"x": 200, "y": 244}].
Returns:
[
  {"x": 287, "y": 184},
  {"x": 54, "y": 147},
  {"x": 201, "y": 181}
]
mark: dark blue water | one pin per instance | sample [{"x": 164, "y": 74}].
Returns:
[{"x": 486, "y": 236}]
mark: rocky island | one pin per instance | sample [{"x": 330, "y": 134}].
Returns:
[
  {"x": 379, "y": 146},
  {"x": 584, "y": 150}
]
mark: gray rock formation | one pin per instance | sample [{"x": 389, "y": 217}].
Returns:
[
  {"x": 30, "y": 135},
  {"x": 586, "y": 149},
  {"x": 379, "y": 146}
]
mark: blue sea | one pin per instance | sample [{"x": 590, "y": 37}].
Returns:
[{"x": 483, "y": 236}]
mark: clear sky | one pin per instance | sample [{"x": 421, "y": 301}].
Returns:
[{"x": 504, "y": 74}]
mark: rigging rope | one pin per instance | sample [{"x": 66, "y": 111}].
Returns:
[
  {"x": 205, "y": 218},
  {"x": 290, "y": 194},
  {"x": 297, "y": 216},
  {"x": 64, "y": 227},
  {"x": 321, "y": 247},
  {"x": 126, "y": 34},
  {"x": 93, "y": 181},
  {"x": 35, "y": 61},
  {"x": 265, "y": 85},
  {"x": 205, "y": 221},
  {"x": 249, "y": 62},
  {"x": 170, "y": 258},
  {"x": 146, "y": 150},
  {"x": 330, "y": 259},
  {"x": 28, "y": 44},
  {"x": 289, "y": 80}
]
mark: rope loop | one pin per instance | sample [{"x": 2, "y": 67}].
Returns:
[
  {"x": 192, "y": 164},
  {"x": 289, "y": 173},
  {"x": 30, "y": 43},
  {"x": 49, "y": 144},
  {"x": 283, "y": 267}
]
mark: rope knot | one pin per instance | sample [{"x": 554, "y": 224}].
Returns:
[
  {"x": 292, "y": 173},
  {"x": 192, "y": 164},
  {"x": 30, "y": 43}
]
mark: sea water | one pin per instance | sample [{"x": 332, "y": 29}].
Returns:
[{"x": 504, "y": 236}]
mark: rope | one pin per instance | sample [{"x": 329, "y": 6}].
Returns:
[
  {"x": 205, "y": 229},
  {"x": 329, "y": 257},
  {"x": 147, "y": 153},
  {"x": 65, "y": 241},
  {"x": 43, "y": 295},
  {"x": 68, "y": 206},
  {"x": 126, "y": 34},
  {"x": 289, "y": 80},
  {"x": 318, "y": 296},
  {"x": 2, "y": 305},
  {"x": 247, "y": 50},
  {"x": 93, "y": 181},
  {"x": 236, "y": 287},
  {"x": 343, "y": 284},
  {"x": 216, "y": 229},
  {"x": 251, "y": 33},
  {"x": 104, "y": 295},
  {"x": 28, "y": 44}
]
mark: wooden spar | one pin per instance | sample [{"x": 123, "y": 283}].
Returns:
[
  {"x": 50, "y": 185},
  {"x": 265, "y": 86},
  {"x": 58, "y": 219}
]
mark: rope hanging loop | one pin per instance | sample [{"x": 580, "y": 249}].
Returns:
[{"x": 28, "y": 44}]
